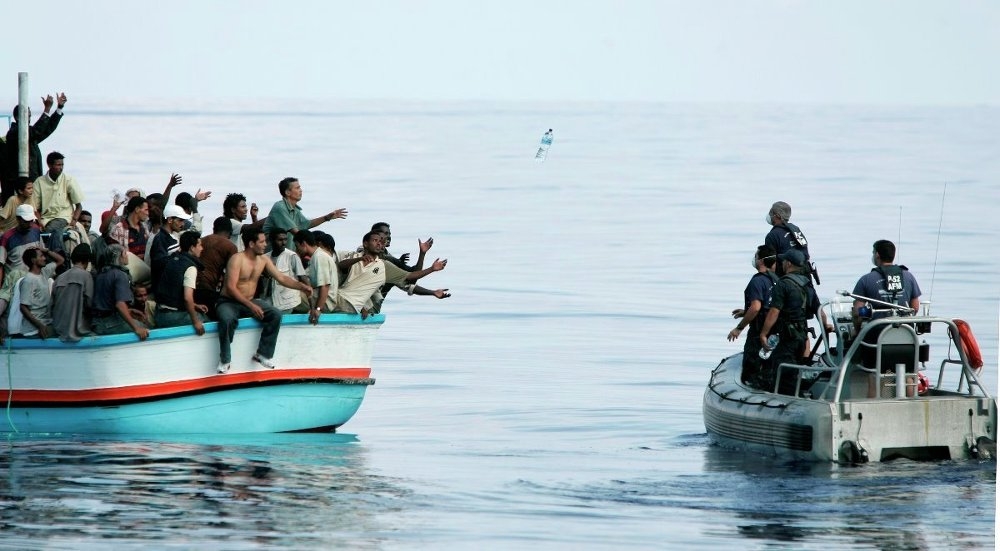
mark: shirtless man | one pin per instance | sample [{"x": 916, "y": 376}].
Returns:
[{"x": 242, "y": 272}]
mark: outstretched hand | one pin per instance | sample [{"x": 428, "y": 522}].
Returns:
[
  {"x": 404, "y": 258},
  {"x": 175, "y": 180},
  {"x": 202, "y": 195},
  {"x": 439, "y": 264},
  {"x": 441, "y": 293},
  {"x": 738, "y": 313},
  {"x": 61, "y": 100},
  {"x": 425, "y": 245}
]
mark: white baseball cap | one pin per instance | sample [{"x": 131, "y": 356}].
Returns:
[
  {"x": 25, "y": 212},
  {"x": 175, "y": 211}
]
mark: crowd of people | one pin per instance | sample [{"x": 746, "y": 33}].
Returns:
[
  {"x": 780, "y": 299},
  {"x": 147, "y": 265}
]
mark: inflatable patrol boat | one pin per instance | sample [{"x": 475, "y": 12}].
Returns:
[{"x": 874, "y": 394}]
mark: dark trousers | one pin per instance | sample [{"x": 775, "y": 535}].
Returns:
[{"x": 230, "y": 311}]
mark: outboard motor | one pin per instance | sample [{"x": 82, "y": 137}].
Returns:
[{"x": 851, "y": 452}]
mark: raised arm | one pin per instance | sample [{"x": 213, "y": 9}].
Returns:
[
  {"x": 339, "y": 213},
  {"x": 437, "y": 266}
]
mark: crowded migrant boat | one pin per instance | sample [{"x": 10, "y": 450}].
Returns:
[{"x": 152, "y": 260}]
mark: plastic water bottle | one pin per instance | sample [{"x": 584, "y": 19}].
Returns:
[
  {"x": 772, "y": 342},
  {"x": 543, "y": 149}
]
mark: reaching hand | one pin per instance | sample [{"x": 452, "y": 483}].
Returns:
[
  {"x": 339, "y": 213},
  {"x": 47, "y": 102},
  {"x": 425, "y": 245},
  {"x": 61, "y": 100},
  {"x": 175, "y": 180},
  {"x": 738, "y": 313},
  {"x": 404, "y": 258},
  {"x": 439, "y": 264},
  {"x": 441, "y": 293},
  {"x": 202, "y": 195}
]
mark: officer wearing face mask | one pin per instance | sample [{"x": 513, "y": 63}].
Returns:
[
  {"x": 756, "y": 300},
  {"x": 887, "y": 282},
  {"x": 785, "y": 235}
]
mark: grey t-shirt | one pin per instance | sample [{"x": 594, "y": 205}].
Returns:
[{"x": 36, "y": 294}]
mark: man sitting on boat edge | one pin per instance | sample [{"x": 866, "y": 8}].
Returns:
[
  {"x": 175, "y": 304},
  {"x": 242, "y": 274}
]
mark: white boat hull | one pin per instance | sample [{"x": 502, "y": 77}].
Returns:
[{"x": 169, "y": 383}]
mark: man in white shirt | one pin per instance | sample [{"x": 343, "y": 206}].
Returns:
[{"x": 287, "y": 262}]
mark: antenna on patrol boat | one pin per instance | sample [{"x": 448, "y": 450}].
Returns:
[
  {"x": 899, "y": 232},
  {"x": 937, "y": 246}
]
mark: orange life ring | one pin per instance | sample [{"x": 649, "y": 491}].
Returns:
[
  {"x": 923, "y": 383},
  {"x": 969, "y": 344}
]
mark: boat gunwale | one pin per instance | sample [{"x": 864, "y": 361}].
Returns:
[{"x": 169, "y": 333}]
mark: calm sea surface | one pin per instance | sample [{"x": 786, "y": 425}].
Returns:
[{"x": 554, "y": 401}]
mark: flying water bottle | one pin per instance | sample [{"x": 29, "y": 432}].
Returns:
[
  {"x": 765, "y": 352},
  {"x": 543, "y": 148}
]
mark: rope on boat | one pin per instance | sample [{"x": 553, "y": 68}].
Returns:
[
  {"x": 766, "y": 403},
  {"x": 10, "y": 385}
]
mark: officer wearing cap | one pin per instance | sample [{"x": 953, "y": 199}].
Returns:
[{"x": 793, "y": 302}]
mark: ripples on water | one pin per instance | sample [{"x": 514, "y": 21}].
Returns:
[{"x": 555, "y": 400}]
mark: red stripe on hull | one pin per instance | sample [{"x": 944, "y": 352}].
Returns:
[{"x": 186, "y": 386}]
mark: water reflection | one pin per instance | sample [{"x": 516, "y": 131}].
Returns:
[
  {"x": 895, "y": 505},
  {"x": 257, "y": 489}
]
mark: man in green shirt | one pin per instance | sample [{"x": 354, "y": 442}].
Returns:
[{"x": 287, "y": 214}]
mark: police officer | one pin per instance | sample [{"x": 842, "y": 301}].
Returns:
[
  {"x": 785, "y": 235},
  {"x": 756, "y": 299},
  {"x": 793, "y": 302},
  {"x": 887, "y": 282}
]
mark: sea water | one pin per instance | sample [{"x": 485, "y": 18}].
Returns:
[{"x": 555, "y": 400}]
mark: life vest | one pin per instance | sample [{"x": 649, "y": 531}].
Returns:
[
  {"x": 170, "y": 285},
  {"x": 796, "y": 238},
  {"x": 892, "y": 280}
]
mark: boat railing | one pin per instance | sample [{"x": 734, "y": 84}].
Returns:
[{"x": 890, "y": 348}]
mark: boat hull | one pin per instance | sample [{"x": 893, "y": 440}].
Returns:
[
  {"x": 169, "y": 383},
  {"x": 926, "y": 427}
]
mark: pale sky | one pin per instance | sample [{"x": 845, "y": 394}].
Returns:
[{"x": 829, "y": 51}]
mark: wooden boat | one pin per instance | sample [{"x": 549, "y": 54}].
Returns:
[
  {"x": 116, "y": 384},
  {"x": 848, "y": 410}
]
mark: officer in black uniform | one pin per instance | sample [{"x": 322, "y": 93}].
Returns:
[
  {"x": 793, "y": 302},
  {"x": 784, "y": 235}
]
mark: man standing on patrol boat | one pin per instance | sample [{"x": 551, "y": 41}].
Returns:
[
  {"x": 785, "y": 235},
  {"x": 756, "y": 299},
  {"x": 793, "y": 302}
]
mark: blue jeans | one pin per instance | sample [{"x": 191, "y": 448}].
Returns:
[{"x": 230, "y": 311}]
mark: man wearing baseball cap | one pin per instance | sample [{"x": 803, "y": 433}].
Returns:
[
  {"x": 166, "y": 241},
  {"x": 14, "y": 242},
  {"x": 793, "y": 302}
]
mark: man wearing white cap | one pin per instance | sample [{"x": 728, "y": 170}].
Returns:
[
  {"x": 166, "y": 241},
  {"x": 14, "y": 242}
]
